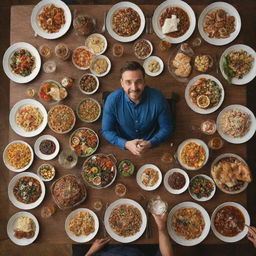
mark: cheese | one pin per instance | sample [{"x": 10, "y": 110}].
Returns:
[
  {"x": 170, "y": 25},
  {"x": 25, "y": 224}
]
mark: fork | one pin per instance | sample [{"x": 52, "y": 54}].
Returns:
[{"x": 104, "y": 22}]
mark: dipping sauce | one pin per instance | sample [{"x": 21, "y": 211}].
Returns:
[
  {"x": 120, "y": 189},
  {"x": 208, "y": 127},
  {"x": 47, "y": 147},
  {"x": 215, "y": 143},
  {"x": 176, "y": 180}
]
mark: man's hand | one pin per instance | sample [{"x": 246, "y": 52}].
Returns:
[
  {"x": 161, "y": 221},
  {"x": 144, "y": 145},
  {"x": 251, "y": 235},
  {"x": 133, "y": 146},
  {"x": 97, "y": 245}
]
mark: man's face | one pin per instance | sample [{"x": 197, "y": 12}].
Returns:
[{"x": 133, "y": 84}]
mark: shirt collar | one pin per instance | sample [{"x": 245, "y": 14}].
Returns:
[{"x": 144, "y": 95}]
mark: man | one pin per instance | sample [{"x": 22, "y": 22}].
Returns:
[{"x": 136, "y": 117}]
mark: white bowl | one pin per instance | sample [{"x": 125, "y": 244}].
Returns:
[
  {"x": 147, "y": 61},
  {"x": 80, "y": 67},
  {"x": 103, "y": 39},
  {"x": 97, "y": 84},
  {"x": 151, "y": 49},
  {"x": 41, "y": 177},
  {"x": 108, "y": 68},
  {"x": 169, "y": 188}
]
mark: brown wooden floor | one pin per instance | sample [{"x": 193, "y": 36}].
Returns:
[{"x": 9, "y": 249}]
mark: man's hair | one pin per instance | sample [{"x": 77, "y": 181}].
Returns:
[{"x": 132, "y": 66}]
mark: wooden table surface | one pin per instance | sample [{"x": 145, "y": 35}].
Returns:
[{"x": 52, "y": 229}]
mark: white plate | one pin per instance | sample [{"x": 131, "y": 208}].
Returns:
[
  {"x": 220, "y": 157},
  {"x": 167, "y": 186},
  {"x": 122, "y": 5},
  {"x": 251, "y": 74},
  {"x": 197, "y": 141},
  {"x": 104, "y": 40},
  {"x": 11, "y": 226},
  {"x": 193, "y": 106},
  {"x": 173, "y": 3},
  {"x": 12, "y": 117},
  {"x": 139, "y": 174},
  {"x": 149, "y": 43},
  {"x": 249, "y": 133},
  {"x": 112, "y": 233},
  {"x": 179, "y": 239},
  {"x": 202, "y": 199},
  {"x": 19, "y": 204},
  {"x": 10, "y": 167},
  {"x": 147, "y": 61},
  {"x": 108, "y": 68},
  {"x": 44, "y": 156},
  {"x": 81, "y": 238},
  {"x": 6, "y": 62},
  {"x": 35, "y": 24},
  {"x": 239, "y": 236},
  {"x": 231, "y": 11}
]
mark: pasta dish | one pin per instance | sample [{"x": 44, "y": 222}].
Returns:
[
  {"x": 149, "y": 177},
  {"x": 125, "y": 220}
]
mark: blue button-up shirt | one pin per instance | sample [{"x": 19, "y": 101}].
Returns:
[{"x": 124, "y": 120}]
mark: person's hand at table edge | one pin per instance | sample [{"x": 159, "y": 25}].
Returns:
[
  {"x": 251, "y": 235},
  {"x": 133, "y": 146},
  {"x": 97, "y": 245}
]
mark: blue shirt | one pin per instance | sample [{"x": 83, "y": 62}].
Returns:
[{"x": 124, "y": 120}]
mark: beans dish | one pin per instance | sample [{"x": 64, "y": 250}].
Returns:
[{"x": 89, "y": 110}]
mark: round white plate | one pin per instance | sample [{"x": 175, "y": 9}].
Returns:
[
  {"x": 173, "y": 3},
  {"x": 139, "y": 174},
  {"x": 231, "y": 12},
  {"x": 35, "y": 24},
  {"x": 179, "y": 239},
  {"x": 112, "y": 233},
  {"x": 220, "y": 157},
  {"x": 239, "y": 236},
  {"x": 44, "y": 156},
  {"x": 202, "y": 199},
  {"x": 123, "y": 5},
  {"x": 11, "y": 168},
  {"x": 167, "y": 186},
  {"x": 104, "y": 40},
  {"x": 249, "y": 133},
  {"x": 193, "y": 106},
  {"x": 19, "y": 204},
  {"x": 12, "y": 117},
  {"x": 197, "y": 141},
  {"x": 108, "y": 68},
  {"x": 251, "y": 74},
  {"x": 81, "y": 238},
  {"x": 6, "y": 62},
  {"x": 147, "y": 61},
  {"x": 12, "y": 224}
]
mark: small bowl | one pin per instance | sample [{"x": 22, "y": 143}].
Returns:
[
  {"x": 45, "y": 167},
  {"x": 202, "y": 199},
  {"x": 126, "y": 168},
  {"x": 137, "y": 44},
  {"x": 169, "y": 188},
  {"x": 148, "y": 61},
  {"x": 94, "y": 62},
  {"x": 88, "y": 76},
  {"x": 87, "y": 60},
  {"x": 96, "y": 37}
]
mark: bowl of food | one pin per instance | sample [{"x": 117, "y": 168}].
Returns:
[
  {"x": 99, "y": 170},
  {"x": 202, "y": 188},
  {"x": 88, "y": 84},
  {"x": 142, "y": 48},
  {"x": 100, "y": 65},
  {"x": 176, "y": 181},
  {"x": 192, "y": 154},
  {"x": 203, "y": 62},
  {"x": 84, "y": 24},
  {"x": 149, "y": 177},
  {"x": 82, "y": 58},
  {"x": 97, "y": 43},
  {"x": 84, "y": 141},
  {"x": 126, "y": 167},
  {"x": 46, "y": 172},
  {"x": 153, "y": 66},
  {"x": 88, "y": 110}
]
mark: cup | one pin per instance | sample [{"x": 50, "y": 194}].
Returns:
[
  {"x": 48, "y": 211},
  {"x": 30, "y": 92},
  {"x": 49, "y": 66},
  {"x": 45, "y": 51},
  {"x": 62, "y": 51},
  {"x": 164, "y": 45},
  {"x": 215, "y": 143},
  {"x": 118, "y": 50}
]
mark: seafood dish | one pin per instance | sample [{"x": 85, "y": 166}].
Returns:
[{"x": 149, "y": 177}]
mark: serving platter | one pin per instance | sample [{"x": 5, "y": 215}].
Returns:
[
  {"x": 240, "y": 235},
  {"x": 11, "y": 226},
  {"x": 173, "y": 3},
  {"x": 250, "y": 75},
  {"x": 248, "y": 134},
  {"x": 112, "y": 233},
  {"x": 82, "y": 238},
  {"x": 231, "y": 11},
  {"x": 7, "y": 59},
  {"x": 19, "y": 204},
  {"x": 35, "y": 24},
  {"x": 15, "y": 109},
  {"x": 179, "y": 239},
  {"x": 111, "y": 12}
]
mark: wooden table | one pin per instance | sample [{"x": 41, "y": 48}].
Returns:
[{"x": 52, "y": 229}]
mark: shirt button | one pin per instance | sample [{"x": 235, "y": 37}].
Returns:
[
  {"x": 137, "y": 131},
  {"x": 136, "y": 121}
]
